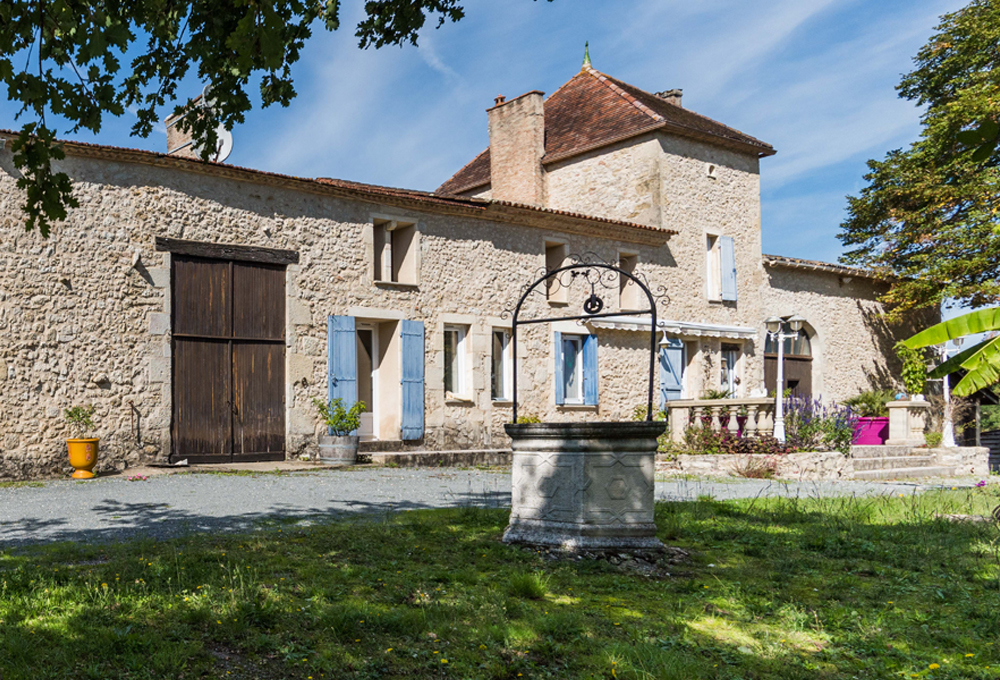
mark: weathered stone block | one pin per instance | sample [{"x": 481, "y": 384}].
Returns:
[
  {"x": 159, "y": 369},
  {"x": 584, "y": 485},
  {"x": 159, "y": 323}
]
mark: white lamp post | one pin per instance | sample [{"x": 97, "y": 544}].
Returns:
[
  {"x": 947, "y": 426},
  {"x": 773, "y": 325}
]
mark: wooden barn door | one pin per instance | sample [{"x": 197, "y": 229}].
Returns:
[{"x": 228, "y": 360}]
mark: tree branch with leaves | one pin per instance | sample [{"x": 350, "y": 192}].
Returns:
[{"x": 82, "y": 60}]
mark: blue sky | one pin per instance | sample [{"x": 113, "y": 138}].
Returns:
[{"x": 815, "y": 78}]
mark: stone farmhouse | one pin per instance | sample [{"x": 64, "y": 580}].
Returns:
[{"x": 201, "y": 307}]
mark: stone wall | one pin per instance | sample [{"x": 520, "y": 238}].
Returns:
[
  {"x": 85, "y": 315},
  {"x": 851, "y": 341},
  {"x": 813, "y": 465},
  {"x": 829, "y": 465}
]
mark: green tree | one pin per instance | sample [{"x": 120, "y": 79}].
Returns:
[
  {"x": 85, "y": 59},
  {"x": 928, "y": 217}
]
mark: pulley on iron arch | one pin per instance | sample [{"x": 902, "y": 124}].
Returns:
[{"x": 592, "y": 273}]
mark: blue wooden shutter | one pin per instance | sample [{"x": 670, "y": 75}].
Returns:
[
  {"x": 342, "y": 360},
  {"x": 728, "y": 267},
  {"x": 671, "y": 370},
  {"x": 412, "y": 379},
  {"x": 590, "y": 370},
  {"x": 557, "y": 345}
]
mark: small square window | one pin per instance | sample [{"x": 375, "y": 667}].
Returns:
[
  {"x": 456, "y": 360},
  {"x": 395, "y": 248},
  {"x": 501, "y": 378}
]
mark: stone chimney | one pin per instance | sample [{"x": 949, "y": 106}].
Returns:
[
  {"x": 517, "y": 144},
  {"x": 180, "y": 143},
  {"x": 672, "y": 96}
]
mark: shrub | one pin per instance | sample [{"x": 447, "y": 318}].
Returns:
[
  {"x": 81, "y": 418},
  {"x": 811, "y": 426},
  {"x": 756, "y": 468},
  {"x": 715, "y": 394},
  {"x": 530, "y": 419},
  {"x": 870, "y": 403},
  {"x": 704, "y": 440},
  {"x": 933, "y": 439},
  {"x": 341, "y": 421},
  {"x": 914, "y": 372}
]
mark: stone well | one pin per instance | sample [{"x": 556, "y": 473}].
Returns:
[{"x": 584, "y": 486}]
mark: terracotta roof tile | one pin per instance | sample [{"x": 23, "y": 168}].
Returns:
[{"x": 593, "y": 110}]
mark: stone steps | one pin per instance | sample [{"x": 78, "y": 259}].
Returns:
[
  {"x": 905, "y": 473},
  {"x": 880, "y": 451},
  {"x": 893, "y": 462}
]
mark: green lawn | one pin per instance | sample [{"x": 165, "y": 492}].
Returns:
[{"x": 833, "y": 588}]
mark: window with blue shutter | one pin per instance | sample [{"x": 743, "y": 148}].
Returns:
[
  {"x": 671, "y": 370},
  {"x": 342, "y": 360},
  {"x": 575, "y": 368},
  {"x": 728, "y": 257},
  {"x": 590, "y": 370},
  {"x": 412, "y": 379}
]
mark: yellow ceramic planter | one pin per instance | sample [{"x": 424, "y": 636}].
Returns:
[{"x": 82, "y": 456}]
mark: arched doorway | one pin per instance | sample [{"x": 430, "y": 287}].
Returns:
[{"x": 798, "y": 363}]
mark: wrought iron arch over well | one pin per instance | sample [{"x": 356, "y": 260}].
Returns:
[{"x": 591, "y": 271}]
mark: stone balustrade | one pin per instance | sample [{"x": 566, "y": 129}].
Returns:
[{"x": 750, "y": 417}]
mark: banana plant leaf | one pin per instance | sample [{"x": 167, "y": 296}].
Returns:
[
  {"x": 979, "y": 321},
  {"x": 955, "y": 362},
  {"x": 983, "y": 369}
]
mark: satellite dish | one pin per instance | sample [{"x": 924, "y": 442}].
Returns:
[
  {"x": 224, "y": 145},
  {"x": 206, "y": 93}
]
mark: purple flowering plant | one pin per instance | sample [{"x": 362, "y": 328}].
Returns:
[{"x": 811, "y": 425}]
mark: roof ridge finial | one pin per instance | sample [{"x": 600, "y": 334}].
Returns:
[{"x": 586, "y": 55}]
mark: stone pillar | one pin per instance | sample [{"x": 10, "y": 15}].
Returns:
[
  {"x": 907, "y": 420},
  {"x": 584, "y": 486}
]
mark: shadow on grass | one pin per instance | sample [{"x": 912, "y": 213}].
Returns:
[{"x": 777, "y": 588}]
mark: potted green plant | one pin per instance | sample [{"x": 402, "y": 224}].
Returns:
[
  {"x": 82, "y": 449},
  {"x": 914, "y": 371},
  {"x": 872, "y": 428},
  {"x": 339, "y": 446}
]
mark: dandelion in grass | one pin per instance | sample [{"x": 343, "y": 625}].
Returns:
[{"x": 934, "y": 666}]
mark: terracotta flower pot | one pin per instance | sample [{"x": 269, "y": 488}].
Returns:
[{"x": 82, "y": 456}]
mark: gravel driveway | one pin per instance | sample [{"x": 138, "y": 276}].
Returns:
[{"x": 114, "y": 509}]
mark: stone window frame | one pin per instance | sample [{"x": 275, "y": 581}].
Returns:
[
  {"x": 555, "y": 248},
  {"x": 404, "y": 272},
  {"x": 469, "y": 369},
  {"x": 629, "y": 297},
  {"x": 738, "y": 369},
  {"x": 713, "y": 265},
  {"x": 507, "y": 365}
]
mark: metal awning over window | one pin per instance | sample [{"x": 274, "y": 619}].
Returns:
[{"x": 685, "y": 328}]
